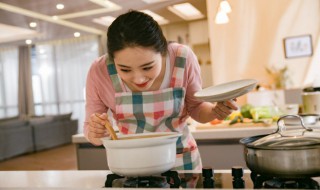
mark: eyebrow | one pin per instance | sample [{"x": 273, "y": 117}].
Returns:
[{"x": 146, "y": 64}]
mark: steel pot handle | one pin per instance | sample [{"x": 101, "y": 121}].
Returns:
[{"x": 282, "y": 127}]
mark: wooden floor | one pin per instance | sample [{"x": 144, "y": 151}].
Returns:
[{"x": 60, "y": 158}]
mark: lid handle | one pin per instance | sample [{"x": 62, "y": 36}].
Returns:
[{"x": 282, "y": 126}]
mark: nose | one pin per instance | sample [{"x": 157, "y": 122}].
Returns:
[{"x": 138, "y": 78}]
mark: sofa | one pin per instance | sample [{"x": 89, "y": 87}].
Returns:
[
  {"x": 15, "y": 137},
  {"x": 19, "y": 136},
  {"x": 52, "y": 131}
]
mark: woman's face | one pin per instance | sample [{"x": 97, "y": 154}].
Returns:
[{"x": 138, "y": 67}]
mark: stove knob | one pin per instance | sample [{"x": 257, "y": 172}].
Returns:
[
  {"x": 207, "y": 172},
  {"x": 237, "y": 173},
  {"x": 207, "y": 176}
]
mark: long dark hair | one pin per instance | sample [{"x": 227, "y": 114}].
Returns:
[{"x": 132, "y": 29}]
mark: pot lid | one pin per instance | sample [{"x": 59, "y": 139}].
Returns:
[{"x": 288, "y": 139}]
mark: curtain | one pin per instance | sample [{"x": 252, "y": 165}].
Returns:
[
  {"x": 312, "y": 78},
  {"x": 59, "y": 71},
  {"x": 8, "y": 82},
  {"x": 26, "y": 107}
]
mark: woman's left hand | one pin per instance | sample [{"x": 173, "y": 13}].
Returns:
[{"x": 225, "y": 108}]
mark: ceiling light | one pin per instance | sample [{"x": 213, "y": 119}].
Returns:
[
  {"x": 60, "y": 6},
  {"x": 221, "y": 17},
  {"x": 55, "y": 17},
  {"x": 12, "y": 33},
  {"x": 225, "y": 6},
  {"x": 186, "y": 11},
  {"x": 161, "y": 20},
  {"x": 107, "y": 4},
  {"x": 28, "y": 41},
  {"x": 76, "y": 34},
  {"x": 33, "y": 24},
  {"x": 153, "y": 1},
  {"x": 105, "y": 21}
]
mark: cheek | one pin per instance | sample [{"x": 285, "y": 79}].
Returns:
[
  {"x": 123, "y": 76},
  {"x": 155, "y": 72}
]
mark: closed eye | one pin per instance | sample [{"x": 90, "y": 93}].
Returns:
[
  {"x": 147, "y": 68},
  {"x": 125, "y": 70}
]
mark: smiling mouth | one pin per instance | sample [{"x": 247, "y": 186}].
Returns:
[{"x": 143, "y": 84}]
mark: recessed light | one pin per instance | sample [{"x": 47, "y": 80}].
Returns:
[
  {"x": 186, "y": 11},
  {"x": 107, "y": 4},
  {"x": 28, "y": 41},
  {"x": 153, "y": 1},
  {"x": 55, "y": 17},
  {"x": 33, "y": 24},
  {"x": 105, "y": 21},
  {"x": 60, "y": 6},
  {"x": 76, "y": 34},
  {"x": 161, "y": 20}
]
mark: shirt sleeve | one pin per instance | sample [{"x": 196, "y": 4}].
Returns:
[
  {"x": 94, "y": 103},
  {"x": 193, "y": 84}
]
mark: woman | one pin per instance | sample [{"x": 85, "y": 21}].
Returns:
[{"x": 149, "y": 86}]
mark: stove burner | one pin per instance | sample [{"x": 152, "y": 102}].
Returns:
[
  {"x": 303, "y": 183},
  {"x": 166, "y": 180},
  {"x": 151, "y": 181},
  {"x": 260, "y": 181}
]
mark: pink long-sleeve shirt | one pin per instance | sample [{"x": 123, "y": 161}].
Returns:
[{"x": 100, "y": 93}]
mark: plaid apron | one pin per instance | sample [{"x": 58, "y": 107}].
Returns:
[{"x": 157, "y": 111}]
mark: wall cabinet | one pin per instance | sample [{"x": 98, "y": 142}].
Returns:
[{"x": 198, "y": 32}]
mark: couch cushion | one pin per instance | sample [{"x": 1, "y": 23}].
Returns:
[
  {"x": 13, "y": 123},
  {"x": 40, "y": 120},
  {"x": 8, "y": 118},
  {"x": 62, "y": 117}
]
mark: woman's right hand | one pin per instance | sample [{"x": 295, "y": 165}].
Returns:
[{"x": 97, "y": 128}]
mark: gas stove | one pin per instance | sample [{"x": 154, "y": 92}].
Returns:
[{"x": 236, "y": 178}]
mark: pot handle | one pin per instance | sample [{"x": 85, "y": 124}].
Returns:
[{"x": 282, "y": 127}]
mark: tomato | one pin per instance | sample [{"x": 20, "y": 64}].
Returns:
[{"x": 215, "y": 121}]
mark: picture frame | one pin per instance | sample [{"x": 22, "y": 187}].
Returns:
[{"x": 298, "y": 46}]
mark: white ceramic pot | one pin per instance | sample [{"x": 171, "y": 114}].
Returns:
[{"x": 141, "y": 156}]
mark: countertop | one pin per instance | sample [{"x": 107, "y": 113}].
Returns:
[
  {"x": 209, "y": 132},
  {"x": 53, "y": 179},
  {"x": 68, "y": 179}
]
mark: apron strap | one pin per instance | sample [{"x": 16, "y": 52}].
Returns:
[
  {"x": 179, "y": 65},
  {"x": 116, "y": 81}
]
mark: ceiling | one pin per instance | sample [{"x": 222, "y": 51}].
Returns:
[{"x": 15, "y": 15}]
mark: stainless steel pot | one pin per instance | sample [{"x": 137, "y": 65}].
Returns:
[{"x": 285, "y": 153}]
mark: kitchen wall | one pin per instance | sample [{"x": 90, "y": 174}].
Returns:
[{"x": 253, "y": 39}]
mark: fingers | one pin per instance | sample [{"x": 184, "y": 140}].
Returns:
[
  {"x": 231, "y": 104},
  {"x": 218, "y": 114},
  {"x": 223, "y": 109},
  {"x": 97, "y": 125}
]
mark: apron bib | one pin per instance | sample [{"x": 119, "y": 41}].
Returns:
[{"x": 157, "y": 111}]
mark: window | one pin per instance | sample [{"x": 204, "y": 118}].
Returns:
[
  {"x": 59, "y": 73},
  {"x": 9, "y": 82}
]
